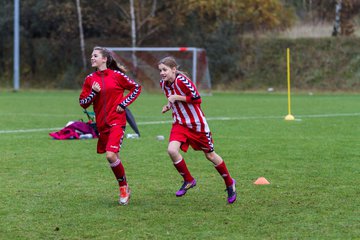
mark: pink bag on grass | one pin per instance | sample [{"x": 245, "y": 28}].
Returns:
[{"x": 75, "y": 130}]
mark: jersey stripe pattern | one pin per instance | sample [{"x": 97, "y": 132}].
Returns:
[
  {"x": 88, "y": 99},
  {"x": 187, "y": 113},
  {"x": 131, "y": 97}
]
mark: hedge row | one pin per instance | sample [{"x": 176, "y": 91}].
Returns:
[{"x": 248, "y": 63}]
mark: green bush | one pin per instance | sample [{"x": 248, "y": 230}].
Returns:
[
  {"x": 239, "y": 64},
  {"x": 324, "y": 64}
]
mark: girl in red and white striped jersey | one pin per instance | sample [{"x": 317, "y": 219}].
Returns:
[
  {"x": 189, "y": 126},
  {"x": 104, "y": 89}
]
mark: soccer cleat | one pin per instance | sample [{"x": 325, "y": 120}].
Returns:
[
  {"x": 231, "y": 192},
  {"x": 186, "y": 186},
  {"x": 124, "y": 195}
]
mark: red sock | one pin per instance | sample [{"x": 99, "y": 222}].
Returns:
[
  {"x": 119, "y": 172},
  {"x": 222, "y": 169},
  {"x": 183, "y": 170}
]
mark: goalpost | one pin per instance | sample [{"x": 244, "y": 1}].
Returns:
[{"x": 141, "y": 63}]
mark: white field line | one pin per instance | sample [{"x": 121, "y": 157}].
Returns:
[
  {"x": 38, "y": 115},
  {"x": 209, "y": 119}
]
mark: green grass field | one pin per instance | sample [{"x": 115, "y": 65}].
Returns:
[{"x": 64, "y": 190}]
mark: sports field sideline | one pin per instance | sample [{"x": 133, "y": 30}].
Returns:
[
  {"x": 299, "y": 118},
  {"x": 63, "y": 190}
]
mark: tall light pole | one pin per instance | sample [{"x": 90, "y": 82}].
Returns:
[{"x": 16, "y": 45}]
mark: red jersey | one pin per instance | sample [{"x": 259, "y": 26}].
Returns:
[
  {"x": 189, "y": 113},
  {"x": 113, "y": 84}
]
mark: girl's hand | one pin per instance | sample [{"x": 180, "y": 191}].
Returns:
[
  {"x": 172, "y": 98},
  {"x": 119, "y": 109},
  {"x": 165, "y": 108},
  {"x": 96, "y": 87}
]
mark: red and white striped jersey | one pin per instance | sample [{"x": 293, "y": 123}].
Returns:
[{"x": 187, "y": 113}]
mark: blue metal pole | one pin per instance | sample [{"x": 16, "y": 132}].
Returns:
[{"x": 16, "y": 45}]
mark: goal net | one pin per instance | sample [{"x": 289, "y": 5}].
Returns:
[{"x": 141, "y": 63}]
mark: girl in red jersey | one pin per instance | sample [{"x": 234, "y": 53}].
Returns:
[
  {"x": 189, "y": 126},
  {"x": 105, "y": 88}
]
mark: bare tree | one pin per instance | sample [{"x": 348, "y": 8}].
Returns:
[
  {"x": 133, "y": 33},
  {"x": 336, "y": 29},
  {"x": 139, "y": 19},
  {"x": 142, "y": 14},
  {"x": 81, "y": 32}
]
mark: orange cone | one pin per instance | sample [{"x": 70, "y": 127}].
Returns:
[{"x": 261, "y": 181}]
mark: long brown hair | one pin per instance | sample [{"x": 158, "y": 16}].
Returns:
[
  {"x": 171, "y": 63},
  {"x": 111, "y": 62}
]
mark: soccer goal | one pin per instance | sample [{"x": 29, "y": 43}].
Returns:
[{"x": 141, "y": 63}]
